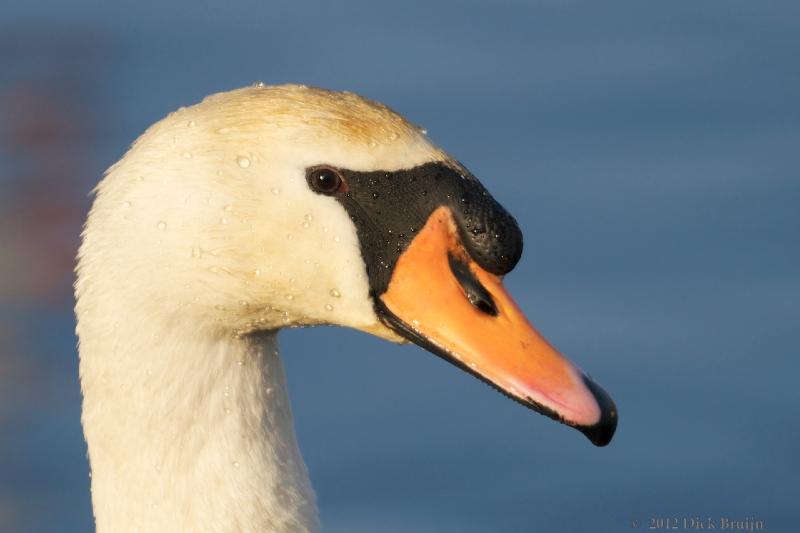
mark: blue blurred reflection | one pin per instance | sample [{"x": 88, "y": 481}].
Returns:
[{"x": 650, "y": 153}]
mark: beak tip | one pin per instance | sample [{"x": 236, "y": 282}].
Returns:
[{"x": 601, "y": 433}]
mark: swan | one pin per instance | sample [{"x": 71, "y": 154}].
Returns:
[{"x": 263, "y": 208}]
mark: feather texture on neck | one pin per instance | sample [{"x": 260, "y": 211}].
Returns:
[{"x": 210, "y": 423}]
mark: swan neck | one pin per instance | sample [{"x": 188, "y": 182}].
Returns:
[{"x": 188, "y": 432}]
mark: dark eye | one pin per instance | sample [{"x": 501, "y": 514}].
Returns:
[{"x": 324, "y": 180}]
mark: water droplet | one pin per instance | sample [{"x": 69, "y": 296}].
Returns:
[
  {"x": 219, "y": 173},
  {"x": 308, "y": 217},
  {"x": 223, "y": 221},
  {"x": 335, "y": 293},
  {"x": 375, "y": 195},
  {"x": 236, "y": 464},
  {"x": 325, "y": 229},
  {"x": 290, "y": 297},
  {"x": 214, "y": 269},
  {"x": 242, "y": 161},
  {"x": 228, "y": 208},
  {"x": 269, "y": 389},
  {"x": 187, "y": 155},
  {"x": 161, "y": 225},
  {"x": 191, "y": 123},
  {"x": 258, "y": 272},
  {"x": 472, "y": 365},
  {"x": 393, "y": 136},
  {"x": 226, "y": 393},
  {"x": 292, "y": 280},
  {"x": 127, "y": 204},
  {"x": 305, "y": 225},
  {"x": 328, "y": 307},
  {"x": 227, "y": 411},
  {"x": 290, "y": 236},
  {"x": 223, "y": 130},
  {"x": 240, "y": 363},
  {"x": 275, "y": 190},
  {"x": 336, "y": 238},
  {"x": 415, "y": 322},
  {"x": 423, "y": 131},
  {"x": 259, "y": 84},
  {"x": 158, "y": 467}
]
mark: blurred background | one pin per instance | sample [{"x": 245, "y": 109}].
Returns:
[{"x": 650, "y": 152}]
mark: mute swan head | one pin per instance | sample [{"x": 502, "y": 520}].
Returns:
[
  {"x": 271, "y": 207},
  {"x": 211, "y": 210}
]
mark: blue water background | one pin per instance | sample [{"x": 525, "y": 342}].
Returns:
[{"x": 650, "y": 152}]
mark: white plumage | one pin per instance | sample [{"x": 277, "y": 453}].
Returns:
[{"x": 203, "y": 232}]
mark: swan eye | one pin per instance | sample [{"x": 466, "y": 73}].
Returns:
[{"x": 324, "y": 180}]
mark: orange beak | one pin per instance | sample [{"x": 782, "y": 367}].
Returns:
[{"x": 441, "y": 299}]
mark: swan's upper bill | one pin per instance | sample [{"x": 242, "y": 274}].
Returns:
[{"x": 268, "y": 207}]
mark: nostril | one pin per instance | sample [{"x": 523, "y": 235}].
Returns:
[{"x": 476, "y": 293}]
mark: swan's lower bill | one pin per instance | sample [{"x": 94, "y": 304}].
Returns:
[{"x": 441, "y": 299}]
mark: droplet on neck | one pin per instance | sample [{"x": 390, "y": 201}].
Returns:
[
  {"x": 126, "y": 204},
  {"x": 187, "y": 155},
  {"x": 161, "y": 225},
  {"x": 275, "y": 190},
  {"x": 335, "y": 293},
  {"x": 328, "y": 307},
  {"x": 191, "y": 123},
  {"x": 243, "y": 161}
]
